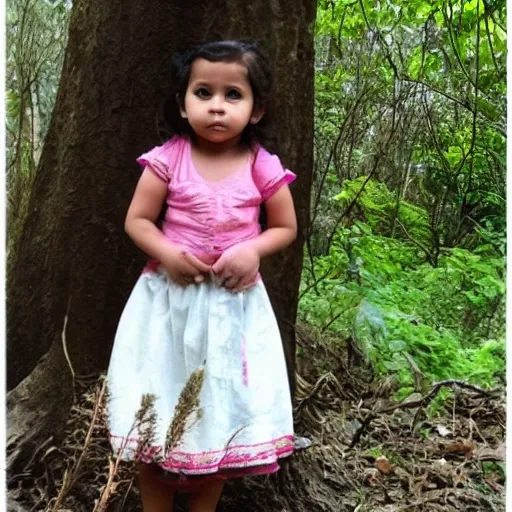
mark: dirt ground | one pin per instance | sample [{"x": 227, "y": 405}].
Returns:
[{"x": 368, "y": 453}]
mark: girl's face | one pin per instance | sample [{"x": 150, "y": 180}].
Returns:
[{"x": 219, "y": 102}]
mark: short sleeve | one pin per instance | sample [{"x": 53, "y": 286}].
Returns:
[
  {"x": 269, "y": 175},
  {"x": 161, "y": 160}
]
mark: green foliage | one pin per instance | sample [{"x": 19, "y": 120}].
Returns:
[
  {"x": 407, "y": 244},
  {"x": 415, "y": 93},
  {"x": 380, "y": 292},
  {"x": 437, "y": 406},
  {"x": 379, "y": 205}
]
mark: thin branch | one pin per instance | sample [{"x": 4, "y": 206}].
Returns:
[
  {"x": 420, "y": 402},
  {"x": 381, "y": 39},
  {"x": 348, "y": 209},
  {"x": 491, "y": 49},
  {"x": 432, "y": 131},
  {"x": 433, "y": 88},
  {"x": 348, "y": 116},
  {"x": 448, "y": 22},
  {"x": 413, "y": 240},
  {"x": 315, "y": 284},
  {"x": 496, "y": 22},
  {"x": 368, "y": 178},
  {"x": 311, "y": 262},
  {"x": 473, "y": 128}
]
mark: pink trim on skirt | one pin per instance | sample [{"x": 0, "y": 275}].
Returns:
[{"x": 185, "y": 471}]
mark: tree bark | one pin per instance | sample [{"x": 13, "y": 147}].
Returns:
[{"x": 74, "y": 264}]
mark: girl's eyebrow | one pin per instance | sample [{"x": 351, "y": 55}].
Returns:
[{"x": 231, "y": 85}]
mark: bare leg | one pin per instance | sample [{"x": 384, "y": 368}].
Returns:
[
  {"x": 206, "y": 498},
  {"x": 157, "y": 496}
]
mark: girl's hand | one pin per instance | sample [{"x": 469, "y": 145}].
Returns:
[
  {"x": 184, "y": 268},
  {"x": 238, "y": 267}
]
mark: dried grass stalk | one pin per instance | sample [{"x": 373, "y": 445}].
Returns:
[
  {"x": 145, "y": 424},
  {"x": 70, "y": 477},
  {"x": 188, "y": 404},
  {"x": 145, "y": 421}
]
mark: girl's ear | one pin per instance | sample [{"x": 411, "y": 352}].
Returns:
[
  {"x": 256, "y": 116},
  {"x": 182, "y": 110}
]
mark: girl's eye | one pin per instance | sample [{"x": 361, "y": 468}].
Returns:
[
  {"x": 233, "y": 94},
  {"x": 202, "y": 93}
]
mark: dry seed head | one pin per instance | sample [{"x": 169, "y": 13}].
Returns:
[
  {"x": 145, "y": 420},
  {"x": 106, "y": 400},
  {"x": 188, "y": 403}
]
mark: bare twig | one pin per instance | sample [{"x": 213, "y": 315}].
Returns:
[
  {"x": 420, "y": 402},
  {"x": 73, "y": 473},
  {"x": 65, "y": 346}
]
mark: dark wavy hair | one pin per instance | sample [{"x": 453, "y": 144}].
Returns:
[{"x": 259, "y": 74}]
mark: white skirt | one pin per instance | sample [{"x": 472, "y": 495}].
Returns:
[{"x": 166, "y": 332}]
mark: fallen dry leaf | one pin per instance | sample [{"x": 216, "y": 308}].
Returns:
[
  {"x": 466, "y": 447},
  {"x": 383, "y": 465}
]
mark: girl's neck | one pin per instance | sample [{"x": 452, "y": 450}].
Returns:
[
  {"x": 229, "y": 147},
  {"x": 217, "y": 163}
]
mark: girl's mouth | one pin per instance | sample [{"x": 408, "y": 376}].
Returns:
[{"x": 217, "y": 127}]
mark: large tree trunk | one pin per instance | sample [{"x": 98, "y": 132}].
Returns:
[{"x": 74, "y": 266}]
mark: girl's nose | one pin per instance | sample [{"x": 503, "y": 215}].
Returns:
[{"x": 216, "y": 105}]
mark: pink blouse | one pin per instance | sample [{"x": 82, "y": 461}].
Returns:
[{"x": 209, "y": 217}]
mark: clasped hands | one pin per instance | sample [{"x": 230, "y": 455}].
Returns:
[{"x": 236, "y": 269}]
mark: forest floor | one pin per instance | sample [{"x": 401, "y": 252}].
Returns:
[{"x": 369, "y": 453}]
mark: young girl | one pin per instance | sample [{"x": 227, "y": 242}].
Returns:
[{"x": 200, "y": 301}]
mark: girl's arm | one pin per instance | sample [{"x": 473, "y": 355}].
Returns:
[
  {"x": 140, "y": 225},
  {"x": 142, "y": 214},
  {"x": 281, "y": 224}
]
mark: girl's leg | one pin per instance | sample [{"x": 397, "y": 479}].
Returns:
[
  {"x": 157, "y": 496},
  {"x": 206, "y": 498}
]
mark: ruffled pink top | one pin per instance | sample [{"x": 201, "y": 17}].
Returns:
[{"x": 209, "y": 217}]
